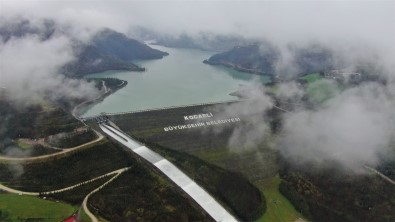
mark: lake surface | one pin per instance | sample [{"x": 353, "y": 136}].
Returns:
[{"x": 180, "y": 78}]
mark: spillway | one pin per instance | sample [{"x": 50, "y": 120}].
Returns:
[{"x": 197, "y": 193}]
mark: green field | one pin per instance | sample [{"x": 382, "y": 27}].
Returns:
[
  {"x": 322, "y": 90},
  {"x": 310, "y": 78},
  {"x": 29, "y": 208},
  {"x": 278, "y": 208},
  {"x": 23, "y": 145}
]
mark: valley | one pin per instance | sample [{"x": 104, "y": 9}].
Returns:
[{"x": 200, "y": 111}]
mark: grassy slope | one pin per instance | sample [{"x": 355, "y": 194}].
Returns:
[
  {"x": 25, "y": 207},
  {"x": 23, "y": 145},
  {"x": 319, "y": 89},
  {"x": 322, "y": 90},
  {"x": 242, "y": 197},
  {"x": 283, "y": 210},
  {"x": 278, "y": 207},
  {"x": 260, "y": 166},
  {"x": 312, "y": 77},
  {"x": 201, "y": 142}
]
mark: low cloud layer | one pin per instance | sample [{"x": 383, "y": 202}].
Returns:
[
  {"x": 30, "y": 70},
  {"x": 285, "y": 21},
  {"x": 353, "y": 29},
  {"x": 290, "y": 91},
  {"x": 253, "y": 128},
  {"x": 354, "y": 128}
]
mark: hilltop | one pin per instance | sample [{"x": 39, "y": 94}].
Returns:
[
  {"x": 106, "y": 50},
  {"x": 263, "y": 58},
  {"x": 206, "y": 41}
]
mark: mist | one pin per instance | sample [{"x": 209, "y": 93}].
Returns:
[
  {"x": 252, "y": 130},
  {"x": 354, "y": 128},
  {"x": 281, "y": 21},
  {"x": 30, "y": 70},
  {"x": 350, "y": 26}
]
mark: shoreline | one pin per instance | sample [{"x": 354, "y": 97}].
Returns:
[
  {"x": 78, "y": 109},
  {"x": 235, "y": 67}
]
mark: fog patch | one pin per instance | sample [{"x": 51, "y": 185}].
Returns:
[
  {"x": 290, "y": 91},
  {"x": 14, "y": 151},
  {"x": 353, "y": 128},
  {"x": 17, "y": 170},
  {"x": 286, "y": 64},
  {"x": 55, "y": 139},
  {"x": 253, "y": 127},
  {"x": 30, "y": 70}
]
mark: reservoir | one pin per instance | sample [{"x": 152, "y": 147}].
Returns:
[{"x": 181, "y": 78}]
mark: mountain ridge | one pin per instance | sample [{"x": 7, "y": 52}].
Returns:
[
  {"x": 262, "y": 58},
  {"x": 106, "y": 50}
]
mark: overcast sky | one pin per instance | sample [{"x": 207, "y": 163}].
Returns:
[{"x": 370, "y": 21}]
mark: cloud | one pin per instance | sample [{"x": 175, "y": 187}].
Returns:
[
  {"x": 350, "y": 26},
  {"x": 29, "y": 70},
  {"x": 281, "y": 20},
  {"x": 253, "y": 128},
  {"x": 354, "y": 128},
  {"x": 16, "y": 170},
  {"x": 290, "y": 91}
]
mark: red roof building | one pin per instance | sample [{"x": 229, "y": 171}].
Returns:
[
  {"x": 74, "y": 218},
  {"x": 70, "y": 219}
]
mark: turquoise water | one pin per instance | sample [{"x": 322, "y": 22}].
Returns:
[{"x": 178, "y": 79}]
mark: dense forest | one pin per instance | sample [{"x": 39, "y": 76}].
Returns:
[{"x": 331, "y": 194}]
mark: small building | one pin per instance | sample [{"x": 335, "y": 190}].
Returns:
[
  {"x": 346, "y": 77},
  {"x": 74, "y": 218},
  {"x": 71, "y": 219}
]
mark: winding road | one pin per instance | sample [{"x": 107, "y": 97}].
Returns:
[
  {"x": 85, "y": 201},
  {"x": 380, "y": 175},
  {"x": 64, "y": 151}
]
